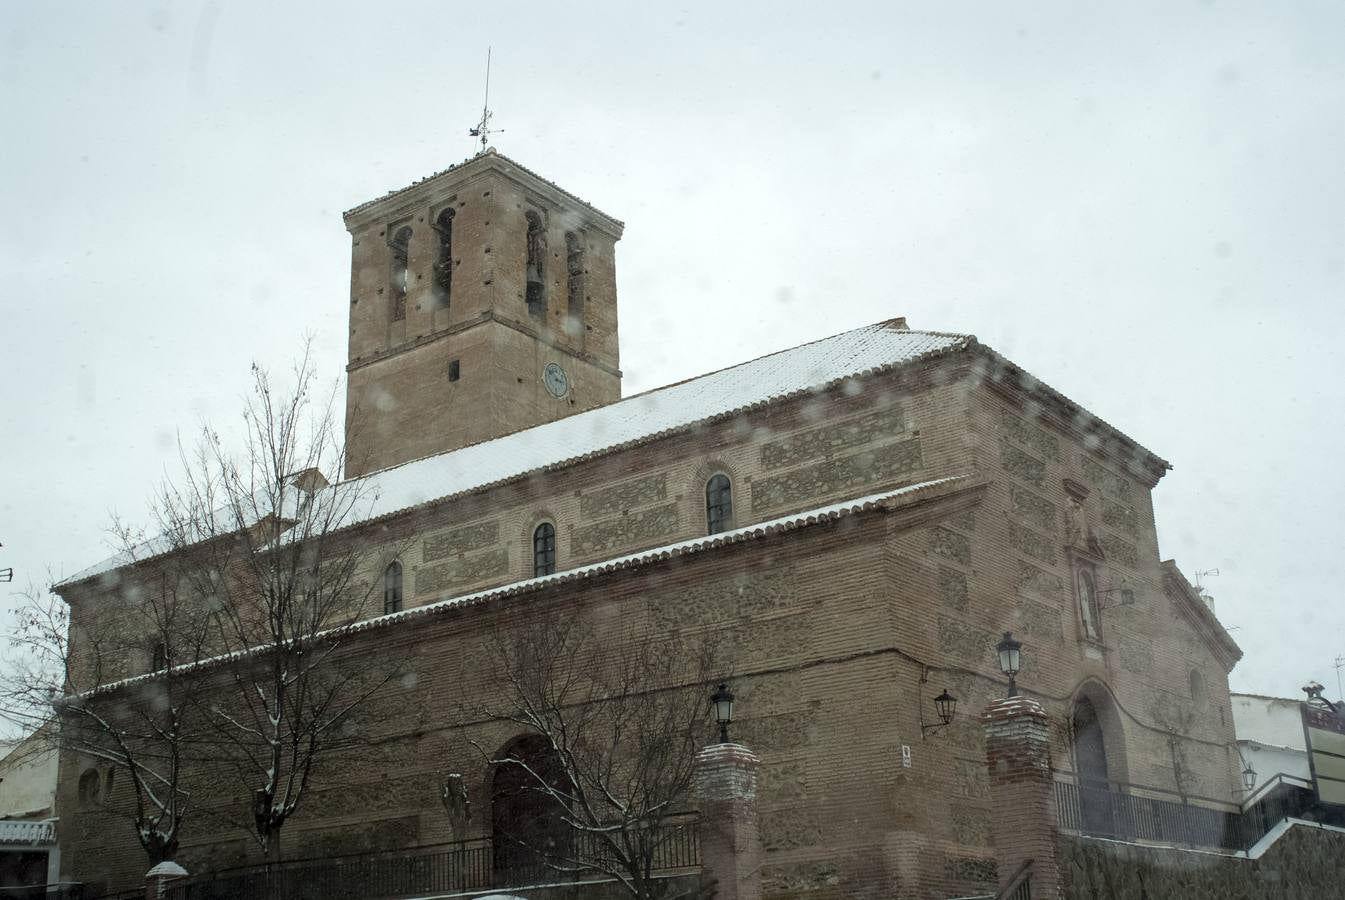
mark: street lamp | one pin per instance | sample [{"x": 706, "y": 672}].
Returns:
[
  {"x": 946, "y": 706},
  {"x": 1249, "y": 777},
  {"x": 1010, "y": 654},
  {"x": 722, "y": 703}
]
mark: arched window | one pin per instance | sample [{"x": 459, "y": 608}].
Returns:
[
  {"x": 718, "y": 504},
  {"x": 536, "y": 270},
  {"x": 158, "y": 656},
  {"x": 443, "y": 266},
  {"x": 544, "y": 550},
  {"x": 574, "y": 266},
  {"x": 1089, "y": 613},
  {"x": 1197, "y": 686},
  {"x": 89, "y": 784},
  {"x": 401, "y": 247},
  {"x": 392, "y": 588}
]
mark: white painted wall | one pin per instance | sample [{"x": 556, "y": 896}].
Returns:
[
  {"x": 1270, "y": 736},
  {"x": 28, "y": 788}
]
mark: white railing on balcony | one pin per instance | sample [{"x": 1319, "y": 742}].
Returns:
[{"x": 16, "y": 832}]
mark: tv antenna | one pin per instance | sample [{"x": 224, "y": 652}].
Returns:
[
  {"x": 1340, "y": 664},
  {"x": 483, "y": 129}
]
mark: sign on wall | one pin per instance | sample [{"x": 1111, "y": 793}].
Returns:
[{"x": 1325, "y": 732}]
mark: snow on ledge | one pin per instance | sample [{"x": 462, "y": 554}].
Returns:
[{"x": 166, "y": 869}]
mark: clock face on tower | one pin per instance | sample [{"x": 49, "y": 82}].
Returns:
[{"x": 556, "y": 381}]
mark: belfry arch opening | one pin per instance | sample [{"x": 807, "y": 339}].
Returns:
[{"x": 527, "y": 825}]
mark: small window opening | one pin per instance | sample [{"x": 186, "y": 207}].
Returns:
[
  {"x": 1197, "y": 686},
  {"x": 443, "y": 266},
  {"x": 536, "y": 267},
  {"x": 89, "y": 784},
  {"x": 401, "y": 245},
  {"x": 544, "y": 550},
  {"x": 158, "y": 656},
  {"x": 453, "y": 370},
  {"x": 718, "y": 504},
  {"x": 392, "y": 588},
  {"x": 1088, "y": 608},
  {"x": 574, "y": 266}
]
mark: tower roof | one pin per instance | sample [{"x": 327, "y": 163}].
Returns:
[{"x": 488, "y": 160}]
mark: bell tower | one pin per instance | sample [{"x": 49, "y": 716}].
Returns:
[{"x": 482, "y": 301}]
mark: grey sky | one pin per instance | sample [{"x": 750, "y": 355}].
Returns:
[{"x": 1140, "y": 203}]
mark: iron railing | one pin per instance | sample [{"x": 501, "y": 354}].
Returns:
[
  {"x": 1128, "y": 812},
  {"x": 461, "y": 866}
]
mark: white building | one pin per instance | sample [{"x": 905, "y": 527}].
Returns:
[
  {"x": 1270, "y": 736},
  {"x": 28, "y": 853}
]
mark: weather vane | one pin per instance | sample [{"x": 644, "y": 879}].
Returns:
[{"x": 483, "y": 129}]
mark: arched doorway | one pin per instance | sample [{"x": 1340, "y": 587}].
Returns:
[
  {"x": 526, "y": 813},
  {"x": 1090, "y": 762}
]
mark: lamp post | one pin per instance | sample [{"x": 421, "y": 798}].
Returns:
[
  {"x": 721, "y": 701},
  {"x": 1010, "y": 653}
]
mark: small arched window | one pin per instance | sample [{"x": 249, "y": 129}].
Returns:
[
  {"x": 574, "y": 267},
  {"x": 443, "y": 266},
  {"x": 392, "y": 588},
  {"x": 536, "y": 266},
  {"x": 718, "y": 504},
  {"x": 401, "y": 248},
  {"x": 89, "y": 784},
  {"x": 544, "y": 550},
  {"x": 158, "y": 656},
  {"x": 1197, "y": 686},
  {"x": 1088, "y": 608}
]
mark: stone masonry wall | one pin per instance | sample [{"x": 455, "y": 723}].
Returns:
[{"x": 1305, "y": 864}]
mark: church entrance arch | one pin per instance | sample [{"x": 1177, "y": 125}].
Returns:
[
  {"x": 1095, "y": 770},
  {"x": 527, "y": 819}
]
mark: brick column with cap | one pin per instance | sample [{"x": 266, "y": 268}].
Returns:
[
  {"x": 1018, "y": 753},
  {"x": 160, "y": 879},
  {"x": 726, "y": 790}
]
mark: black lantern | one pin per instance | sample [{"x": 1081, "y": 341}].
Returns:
[
  {"x": 722, "y": 703},
  {"x": 1249, "y": 777},
  {"x": 1010, "y": 654},
  {"x": 945, "y": 705}
]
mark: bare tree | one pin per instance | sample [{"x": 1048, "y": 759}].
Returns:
[
  {"x": 613, "y": 722},
  {"x": 116, "y": 687},
  {"x": 261, "y": 537}
]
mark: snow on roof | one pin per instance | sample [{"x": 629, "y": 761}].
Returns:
[
  {"x": 243, "y": 515},
  {"x": 798, "y": 370},
  {"x": 891, "y": 499}
]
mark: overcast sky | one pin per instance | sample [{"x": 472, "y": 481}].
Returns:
[{"x": 1142, "y": 204}]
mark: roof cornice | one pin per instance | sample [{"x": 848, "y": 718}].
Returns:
[
  {"x": 455, "y": 176},
  {"x": 1022, "y": 387},
  {"x": 1191, "y": 607}
]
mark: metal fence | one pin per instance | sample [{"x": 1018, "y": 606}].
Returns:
[
  {"x": 462, "y": 866},
  {"x": 1128, "y": 812}
]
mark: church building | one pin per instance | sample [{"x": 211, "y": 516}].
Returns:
[{"x": 860, "y": 519}]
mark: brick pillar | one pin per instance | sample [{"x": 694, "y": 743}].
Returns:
[
  {"x": 159, "y": 880},
  {"x": 1018, "y": 753},
  {"x": 726, "y": 789}
]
